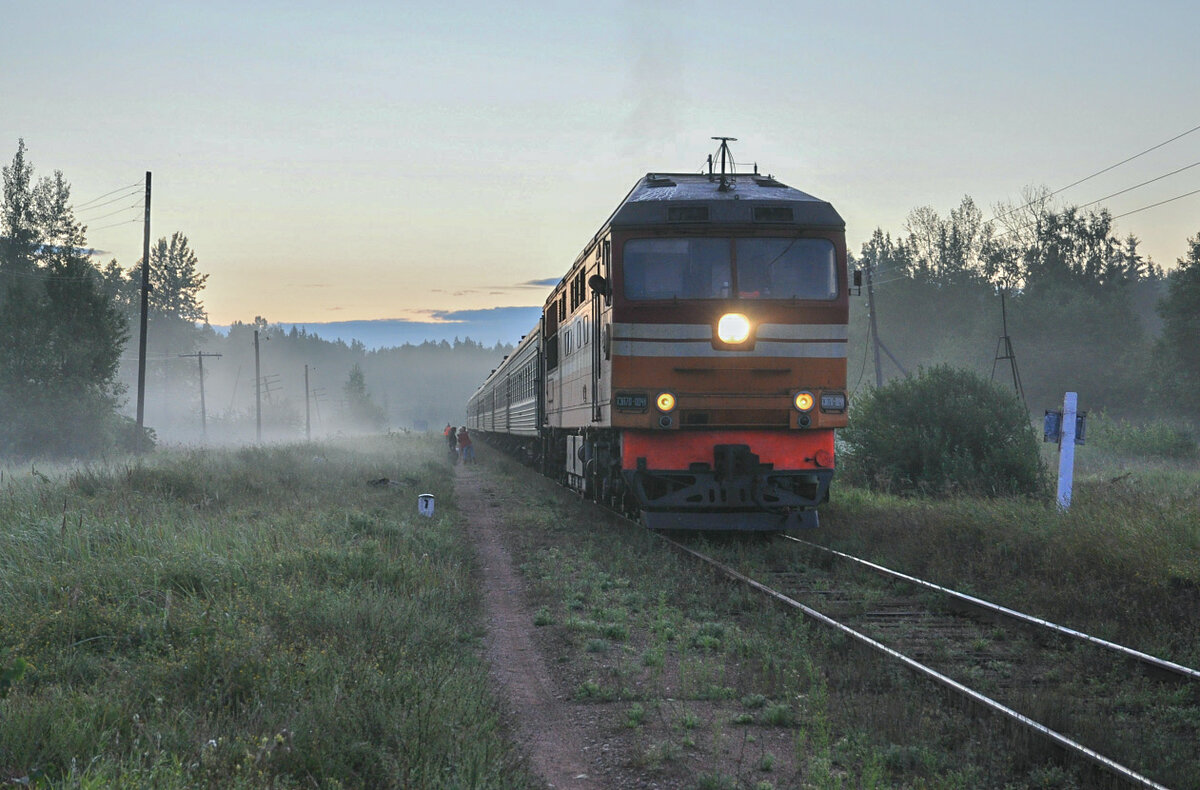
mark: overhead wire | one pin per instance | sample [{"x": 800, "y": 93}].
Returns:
[
  {"x": 898, "y": 278},
  {"x": 862, "y": 371},
  {"x": 98, "y": 206},
  {"x": 137, "y": 205},
  {"x": 1116, "y": 216},
  {"x": 115, "y": 224},
  {"x": 1159, "y": 203},
  {"x": 106, "y": 194},
  {"x": 1098, "y": 172},
  {"x": 1144, "y": 183}
]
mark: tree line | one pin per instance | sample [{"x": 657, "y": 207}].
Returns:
[
  {"x": 68, "y": 350},
  {"x": 1086, "y": 311}
]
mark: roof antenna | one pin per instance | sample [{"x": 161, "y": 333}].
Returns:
[{"x": 726, "y": 183}]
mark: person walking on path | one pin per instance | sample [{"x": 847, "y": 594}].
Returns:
[{"x": 466, "y": 450}]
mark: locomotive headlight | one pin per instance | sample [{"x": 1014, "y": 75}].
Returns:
[
  {"x": 733, "y": 328},
  {"x": 665, "y": 402},
  {"x": 804, "y": 401}
]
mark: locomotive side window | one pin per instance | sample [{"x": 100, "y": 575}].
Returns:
[
  {"x": 786, "y": 269},
  {"x": 677, "y": 268}
]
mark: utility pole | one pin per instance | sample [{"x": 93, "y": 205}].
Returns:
[
  {"x": 141, "y": 392},
  {"x": 1004, "y": 350},
  {"x": 878, "y": 344},
  {"x": 257, "y": 392},
  {"x": 307, "y": 413},
  {"x": 874, "y": 324},
  {"x": 318, "y": 395},
  {"x": 199, "y": 355}
]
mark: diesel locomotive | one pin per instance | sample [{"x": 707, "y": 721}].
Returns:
[{"x": 690, "y": 367}]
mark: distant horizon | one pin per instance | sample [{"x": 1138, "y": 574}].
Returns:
[{"x": 499, "y": 325}]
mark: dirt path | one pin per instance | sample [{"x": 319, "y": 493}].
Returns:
[{"x": 560, "y": 747}]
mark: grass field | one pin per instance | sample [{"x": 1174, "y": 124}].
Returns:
[
  {"x": 267, "y": 617},
  {"x": 249, "y": 618}
]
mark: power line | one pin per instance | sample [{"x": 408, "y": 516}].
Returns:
[
  {"x": 1144, "y": 183},
  {"x": 98, "y": 206},
  {"x": 1099, "y": 172},
  {"x": 115, "y": 224},
  {"x": 1159, "y": 203},
  {"x": 137, "y": 205},
  {"x": 893, "y": 280},
  {"x": 106, "y": 194},
  {"x": 1127, "y": 213}
]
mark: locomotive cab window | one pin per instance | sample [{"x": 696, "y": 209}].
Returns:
[
  {"x": 716, "y": 268},
  {"x": 786, "y": 269},
  {"x": 677, "y": 268}
]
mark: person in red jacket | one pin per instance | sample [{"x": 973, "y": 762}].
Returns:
[{"x": 466, "y": 451}]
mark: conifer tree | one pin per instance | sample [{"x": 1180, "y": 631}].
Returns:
[{"x": 60, "y": 334}]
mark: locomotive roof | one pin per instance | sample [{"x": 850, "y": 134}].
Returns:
[{"x": 648, "y": 203}]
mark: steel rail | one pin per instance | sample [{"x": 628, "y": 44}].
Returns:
[
  {"x": 1159, "y": 664},
  {"x": 1057, "y": 738}
]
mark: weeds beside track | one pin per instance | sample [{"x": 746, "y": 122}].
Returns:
[{"x": 246, "y": 618}]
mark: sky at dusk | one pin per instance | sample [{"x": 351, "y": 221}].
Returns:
[{"x": 349, "y": 162}]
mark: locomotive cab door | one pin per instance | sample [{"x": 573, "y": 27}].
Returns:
[
  {"x": 600, "y": 285},
  {"x": 594, "y": 342}
]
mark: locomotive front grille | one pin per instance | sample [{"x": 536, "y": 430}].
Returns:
[{"x": 735, "y": 418}]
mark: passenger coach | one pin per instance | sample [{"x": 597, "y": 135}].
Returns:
[{"x": 690, "y": 368}]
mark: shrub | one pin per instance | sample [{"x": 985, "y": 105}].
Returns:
[{"x": 944, "y": 430}]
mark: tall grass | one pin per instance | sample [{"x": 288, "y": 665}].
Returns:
[
  {"x": 259, "y": 617},
  {"x": 1123, "y": 562},
  {"x": 1152, "y": 439}
]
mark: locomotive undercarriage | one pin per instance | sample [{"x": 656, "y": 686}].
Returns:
[{"x": 734, "y": 492}]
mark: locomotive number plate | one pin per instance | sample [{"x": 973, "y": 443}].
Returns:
[{"x": 632, "y": 401}]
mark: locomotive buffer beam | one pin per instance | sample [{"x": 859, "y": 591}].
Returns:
[{"x": 735, "y": 492}]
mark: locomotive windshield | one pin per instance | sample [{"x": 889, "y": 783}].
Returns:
[{"x": 716, "y": 268}]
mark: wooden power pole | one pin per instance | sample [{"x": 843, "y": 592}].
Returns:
[
  {"x": 874, "y": 324},
  {"x": 257, "y": 392},
  {"x": 199, "y": 355},
  {"x": 141, "y": 385},
  {"x": 878, "y": 344}
]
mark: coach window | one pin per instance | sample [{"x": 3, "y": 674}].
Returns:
[
  {"x": 786, "y": 269},
  {"x": 677, "y": 268}
]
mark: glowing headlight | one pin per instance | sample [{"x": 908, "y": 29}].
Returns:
[
  {"x": 665, "y": 401},
  {"x": 733, "y": 328},
  {"x": 804, "y": 401}
]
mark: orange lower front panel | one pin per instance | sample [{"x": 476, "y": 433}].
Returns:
[{"x": 680, "y": 449}]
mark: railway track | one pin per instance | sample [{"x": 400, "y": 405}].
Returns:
[
  {"x": 1024, "y": 670},
  {"x": 1021, "y": 668}
]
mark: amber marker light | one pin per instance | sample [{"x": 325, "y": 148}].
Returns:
[
  {"x": 804, "y": 401},
  {"x": 665, "y": 401},
  {"x": 733, "y": 328}
]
